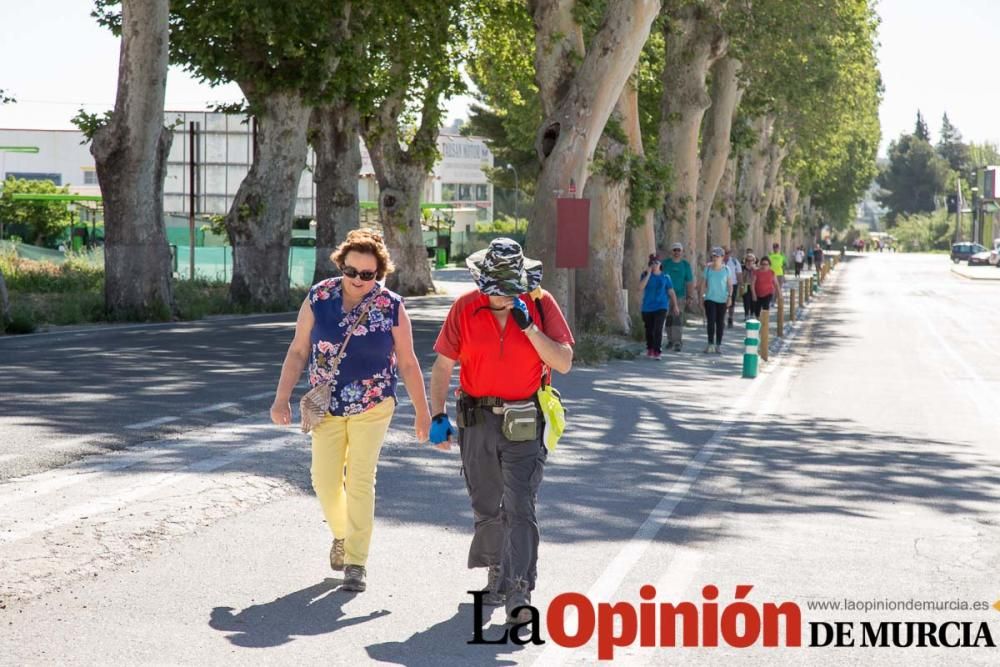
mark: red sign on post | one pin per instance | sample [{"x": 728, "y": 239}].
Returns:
[{"x": 572, "y": 233}]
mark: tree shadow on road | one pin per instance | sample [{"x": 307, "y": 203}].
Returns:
[
  {"x": 444, "y": 643},
  {"x": 315, "y": 610}
]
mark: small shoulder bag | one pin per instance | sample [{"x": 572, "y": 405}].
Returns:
[{"x": 315, "y": 403}]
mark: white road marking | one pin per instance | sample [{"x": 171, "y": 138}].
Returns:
[
  {"x": 198, "y": 325},
  {"x": 152, "y": 422},
  {"x": 974, "y": 387},
  {"x": 610, "y": 580},
  {"x": 149, "y": 485},
  {"x": 213, "y": 408},
  {"x": 39, "y": 484},
  {"x": 263, "y": 394}
]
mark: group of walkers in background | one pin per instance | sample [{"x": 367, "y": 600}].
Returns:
[{"x": 669, "y": 288}]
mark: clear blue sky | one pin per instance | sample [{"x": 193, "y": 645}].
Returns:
[
  {"x": 935, "y": 55},
  {"x": 56, "y": 59},
  {"x": 940, "y": 56}
]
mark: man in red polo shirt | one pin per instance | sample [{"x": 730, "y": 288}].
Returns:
[{"x": 504, "y": 334}]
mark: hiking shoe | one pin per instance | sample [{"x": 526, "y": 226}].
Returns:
[
  {"x": 337, "y": 554},
  {"x": 354, "y": 578},
  {"x": 515, "y": 600},
  {"x": 493, "y": 597}
]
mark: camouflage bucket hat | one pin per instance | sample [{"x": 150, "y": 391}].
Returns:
[{"x": 503, "y": 270}]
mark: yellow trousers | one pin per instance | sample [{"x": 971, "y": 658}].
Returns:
[{"x": 345, "y": 454}]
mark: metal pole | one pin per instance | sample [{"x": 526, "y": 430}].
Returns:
[
  {"x": 191, "y": 195},
  {"x": 958, "y": 211},
  {"x": 516, "y": 192}
]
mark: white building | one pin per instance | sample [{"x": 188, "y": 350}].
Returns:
[{"x": 222, "y": 158}]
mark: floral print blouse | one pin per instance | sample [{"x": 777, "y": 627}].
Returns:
[{"x": 367, "y": 373}]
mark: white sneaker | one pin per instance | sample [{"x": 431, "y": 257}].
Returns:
[{"x": 708, "y": 348}]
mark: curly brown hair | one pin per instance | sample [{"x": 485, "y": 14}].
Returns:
[{"x": 366, "y": 242}]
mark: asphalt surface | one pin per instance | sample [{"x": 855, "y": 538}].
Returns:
[
  {"x": 78, "y": 391},
  {"x": 863, "y": 463}
]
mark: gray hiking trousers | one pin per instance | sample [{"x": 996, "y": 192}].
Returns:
[
  {"x": 502, "y": 478},
  {"x": 675, "y": 327}
]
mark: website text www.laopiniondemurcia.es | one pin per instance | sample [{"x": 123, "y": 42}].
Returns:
[{"x": 737, "y": 624}]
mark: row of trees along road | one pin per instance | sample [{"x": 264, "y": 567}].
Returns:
[
  {"x": 918, "y": 172},
  {"x": 701, "y": 121}
]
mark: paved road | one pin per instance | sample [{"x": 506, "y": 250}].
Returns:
[
  {"x": 863, "y": 463},
  {"x": 77, "y": 391}
]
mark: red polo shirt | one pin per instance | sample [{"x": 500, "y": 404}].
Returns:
[{"x": 494, "y": 362}]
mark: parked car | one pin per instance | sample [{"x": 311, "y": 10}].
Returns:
[
  {"x": 987, "y": 257},
  {"x": 963, "y": 251}
]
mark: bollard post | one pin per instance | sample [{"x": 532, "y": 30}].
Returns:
[
  {"x": 780, "y": 329},
  {"x": 765, "y": 317},
  {"x": 791, "y": 304},
  {"x": 802, "y": 292},
  {"x": 750, "y": 347}
]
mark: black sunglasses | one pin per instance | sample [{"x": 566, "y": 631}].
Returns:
[{"x": 351, "y": 272}]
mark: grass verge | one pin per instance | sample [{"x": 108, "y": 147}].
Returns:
[{"x": 42, "y": 293}]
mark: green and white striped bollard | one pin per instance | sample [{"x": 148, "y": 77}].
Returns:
[{"x": 750, "y": 345}]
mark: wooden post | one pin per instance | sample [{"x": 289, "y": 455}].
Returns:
[
  {"x": 791, "y": 304},
  {"x": 764, "y": 317},
  {"x": 802, "y": 292},
  {"x": 780, "y": 330}
]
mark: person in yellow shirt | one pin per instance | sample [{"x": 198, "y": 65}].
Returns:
[{"x": 777, "y": 263}]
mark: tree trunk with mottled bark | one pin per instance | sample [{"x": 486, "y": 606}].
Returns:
[
  {"x": 694, "y": 41},
  {"x": 722, "y": 212},
  {"x": 259, "y": 222},
  {"x": 750, "y": 193},
  {"x": 639, "y": 241},
  {"x": 400, "y": 186},
  {"x": 773, "y": 189},
  {"x": 600, "y": 304},
  {"x": 716, "y": 147},
  {"x": 576, "y": 103},
  {"x": 336, "y": 141},
  {"x": 130, "y": 153},
  {"x": 401, "y": 174},
  {"x": 791, "y": 239},
  {"x": 4, "y": 305}
]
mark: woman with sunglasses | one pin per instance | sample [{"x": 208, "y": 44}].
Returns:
[{"x": 347, "y": 443}]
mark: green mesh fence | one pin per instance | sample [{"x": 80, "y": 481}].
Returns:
[{"x": 216, "y": 263}]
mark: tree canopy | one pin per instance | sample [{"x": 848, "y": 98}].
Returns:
[
  {"x": 42, "y": 220},
  {"x": 916, "y": 174}
]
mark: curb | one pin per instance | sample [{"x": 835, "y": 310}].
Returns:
[{"x": 958, "y": 271}]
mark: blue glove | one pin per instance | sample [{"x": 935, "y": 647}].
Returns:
[
  {"x": 520, "y": 312},
  {"x": 441, "y": 429}
]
